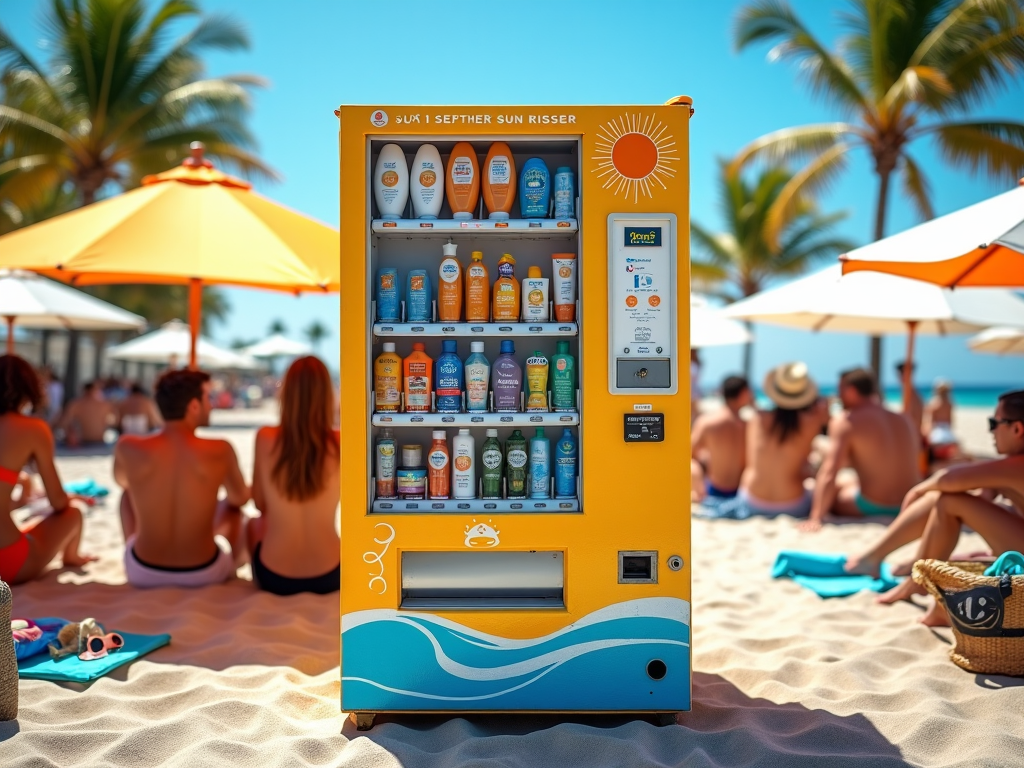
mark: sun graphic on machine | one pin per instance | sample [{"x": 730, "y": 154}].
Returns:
[
  {"x": 634, "y": 154},
  {"x": 482, "y": 535}
]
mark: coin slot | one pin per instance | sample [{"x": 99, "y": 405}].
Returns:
[{"x": 638, "y": 567}]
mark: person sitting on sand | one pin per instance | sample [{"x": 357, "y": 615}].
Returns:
[
  {"x": 913, "y": 409},
  {"x": 171, "y": 480},
  {"x": 296, "y": 485},
  {"x": 936, "y": 509},
  {"x": 779, "y": 444},
  {"x": 880, "y": 445},
  {"x": 719, "y": 446},
  {"x": 87, "y": 418},
  {"x": 138, "y": 413},
  {"x": 25, "y": 552},
  {"x": 938, "y": 424}
]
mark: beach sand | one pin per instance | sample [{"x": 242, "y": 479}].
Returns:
[{"x": 782, "y": 678}]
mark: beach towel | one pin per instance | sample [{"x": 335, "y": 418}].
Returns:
[
  {"x": 87, "y": 487},
  {"x": 1009, "y": 564},
  {"x": 72, "y": 669},
  {"x": 825, "y": 574}
]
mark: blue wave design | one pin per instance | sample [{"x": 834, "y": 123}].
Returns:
[{"x": 414, "y": 661}]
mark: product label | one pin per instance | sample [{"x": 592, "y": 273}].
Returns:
[
  {"x": 463, "y": 463},
  {"x": 477, "y": 376},
  {"x": 462, "y": 170},
  {"x": 385, "y": 461},
  {"x": 389, "y": 178},
  {"x": 428, "y": 177},
  {"x": 449, "y": 385},
  {"x": 500, "y": 171},
  {"x": 387, "y": 281},
  {"x": 416, "y": 282},
  {"x": 517, "y": 458},
  {"x": 417, "y": 388},
  {"x": 492, "y": 459},
  {"x": 476, "y": 271},
  {"x": 386, "y": 393},
  {"x": 449, "y": 270},
  {"x": 438, "y": 459},
  {"x": 506, "y": 269}
]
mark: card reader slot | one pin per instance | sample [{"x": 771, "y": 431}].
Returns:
[{"x": 482, "y": 580}]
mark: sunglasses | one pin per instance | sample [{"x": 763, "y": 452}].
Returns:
[
  {"x": 97, "y": 646},
  {"x": 994, "y": 423}
]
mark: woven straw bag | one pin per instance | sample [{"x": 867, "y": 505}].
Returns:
[
  {"x": 986, "y": 613},
  {"x": 8, "y": 661}
]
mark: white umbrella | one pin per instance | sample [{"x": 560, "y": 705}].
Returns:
[
  {"x": 277, "y": 346},
  {"x": 31, "y": 301},
  {"x": 878, "y": 304},
  {"x": 172, "y": 343},
  {"x": 999, "y": 341},
  {"x": 710, "y": 328}
]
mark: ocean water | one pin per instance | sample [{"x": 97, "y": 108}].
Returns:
[{"x": 964, "y": 396}]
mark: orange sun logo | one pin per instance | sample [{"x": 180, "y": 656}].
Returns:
[{"x": 634, "y": 153}]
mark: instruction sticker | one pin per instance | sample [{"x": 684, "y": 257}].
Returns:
[{"x": 644, "y": 428}]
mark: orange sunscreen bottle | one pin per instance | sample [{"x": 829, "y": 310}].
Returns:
[
  {"x": 499, "y": 182},
  {"x": 506, "y": 291},
  {"x": 449, "y": 286},
  {"x": 462, "y": 180},
  {"x": 478, "y": 290},
  {"x": 439, "y": 467},
  {"x": 418, "y": 370},
  {"x": 387, "y": 374}
]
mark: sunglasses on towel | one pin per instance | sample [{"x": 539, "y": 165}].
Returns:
[
  {"x": 993, "y": 423},
  {"x": 97, "y": 646}
]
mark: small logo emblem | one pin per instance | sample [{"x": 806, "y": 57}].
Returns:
[
  {"x": 379, "y": 118},
  {"x": 482, "y": 535}
]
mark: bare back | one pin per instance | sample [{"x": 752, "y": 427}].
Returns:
[
  {"x": 776, "y": 469},
  {"x": 89, "y": 418},
  {"x": 173, "y": 478},
  {"x": 883, "y": 449},
  {"x": 719, "y": 444},
  {"x": 24, "y": 439},
  {"x": 300, "y": 539}
]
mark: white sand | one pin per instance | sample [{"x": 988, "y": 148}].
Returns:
[{"x": 781, "y": 678}]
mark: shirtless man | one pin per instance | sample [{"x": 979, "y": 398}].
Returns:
[
  {"x": 169, "y": 509},
  {"x": 88, "y": 417},
  {"x": 719, "y": 446},
  {"x": 880, "y": 445},
  {"x": 937, "y": 508},
  {"x": 138, "y": 413},
  {"x": 914, "y": 409}
]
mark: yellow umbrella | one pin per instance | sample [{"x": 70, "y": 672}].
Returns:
[{"x": 190, "y": 225}]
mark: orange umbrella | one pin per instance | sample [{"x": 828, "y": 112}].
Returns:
[
  {"x": 191, "y": 225},
  {"x": 945, "y": 251}
]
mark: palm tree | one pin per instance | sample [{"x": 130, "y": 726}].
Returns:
[
  {"x": 740, "y": 261},
  {"x": 277, "y": 326},
  {"x": 116, "y": 102},
  {"x": 907, "y": 70},
  {"x": 316, "y": 332}
]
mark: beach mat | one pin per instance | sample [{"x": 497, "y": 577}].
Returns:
[
  {"x": 74, "y": 670},
  {"x": 825, "y": 575}
]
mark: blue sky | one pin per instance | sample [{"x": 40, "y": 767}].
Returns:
[{"x": 318, "y": 54}]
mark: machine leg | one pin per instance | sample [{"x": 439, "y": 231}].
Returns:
[
  {"x": 363, "y": 720},
  {"x": 666, "y": 718}
]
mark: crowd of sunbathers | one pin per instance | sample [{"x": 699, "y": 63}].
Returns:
[
  {"x": 178, "y": 529},
  {"x": 790, "y": 460}
]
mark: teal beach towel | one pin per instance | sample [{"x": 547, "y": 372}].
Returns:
[
  {"x": 74, "y": 670},
  {"x": 825, "y": 575}
]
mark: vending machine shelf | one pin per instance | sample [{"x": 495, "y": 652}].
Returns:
[
  {"x": 476, "y": 506},
  {"x": 457, "y": 330},
  {"x": 438, "y": 420},
  {"x": 520, "y": 227}
]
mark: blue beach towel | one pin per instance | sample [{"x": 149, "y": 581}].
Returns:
[
  {"x": 72, "y": 669},
  {"x": 825, "y": 574},
  {"x": 1009, "y": 564},
  {"x": 87, "y": 487},
  {"x": 23, "y": 649}
]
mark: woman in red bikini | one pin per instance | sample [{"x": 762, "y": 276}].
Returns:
[{"x": 24, "y": 553}]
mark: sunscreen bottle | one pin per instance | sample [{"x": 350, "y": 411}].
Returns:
[
  {"x": 540, "y": 466},
  {"x": 417, "y": 297},
  {"x": 448, "y": 376},
  {"x": 535, "y": 297},
  {"x": 387, "y": 295},
  {"x": 478, "y": 375},
  {"x": 563, "y": 378},
  {"x": 387, "y": 377},
  {"x": 426, "y": 182},
  {"x": 462, "y": 180},
  {"x": 506, "y": 291},
  {"x": 564, "y": 286},
  {"x": 534, "y": 189},
  {"x": 464, "y": 465},
  {"x": 507, "y": 380},
  {"x": 536, "y": 382},
  {"x": 516, "y": 459},
  {"x": 478, "y": 290},
  {"x": 493, "y": 461},
  {"x": 566, "y": 465},
  {"x": 386, "y": 465},
  {"x": 417, "y": 372},
  {"x": 499, "y": 182},
  {"x": 439, "y": 468},
  {"x": 391, "y": 182},
  {"x": 449, "y": 286}
]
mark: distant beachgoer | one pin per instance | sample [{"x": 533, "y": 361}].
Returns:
[
  {"x": 938, "y": 423},
  {"x": 25, "y": 552},
  {"x": 53, "y": 395},
  {"x": 695, "y": 393},
  {"x": 718, "y": 444},
  {"x": 87, "y": 418},
  {"x": 138, "y": 412},
  {"x": 779, "y": 444},
  {"x": 936, "y": 509},
  {"x": 880, "y": 445},
  {"x": 914, "y": 408},
  {"x": 171, "y": 479},
  {"x": 294, "y": 545}
]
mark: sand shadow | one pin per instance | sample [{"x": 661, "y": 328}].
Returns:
[
  {"x": 725, "y": 727},
  {"x": 9, "y": 729},
  {"x": 98, "y": 449}
]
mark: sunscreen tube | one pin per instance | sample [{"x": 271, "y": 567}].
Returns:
[{"x": 564, "y": 285}]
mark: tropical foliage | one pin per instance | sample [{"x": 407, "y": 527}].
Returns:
[{"x": 316, "y": 332}]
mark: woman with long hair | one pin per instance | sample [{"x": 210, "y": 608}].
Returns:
[
  {"x": 26, "y": 551},
  {"x": 294, "y": 544}
]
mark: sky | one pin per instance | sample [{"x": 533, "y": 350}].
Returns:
[{"x": 317, "y": 54}]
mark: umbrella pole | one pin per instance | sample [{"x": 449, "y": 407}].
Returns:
[
  {"x": 908, "y": 366},
  {"x": 10, "y": 334},
  {"x": 195, "y": 313}
]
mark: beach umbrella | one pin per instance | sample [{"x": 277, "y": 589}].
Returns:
[
  {"x": 879, "y": 304},
  {"x": 710, "y": 328},
  {"x": 173, "y": 342},
  {"x": 277, "y": 346},
  {"x": 192, "y": 225},
  {"x": 980, "y": 245},
  {"x": 999, "y": 341},
  {"x": 31, "y": 301}
]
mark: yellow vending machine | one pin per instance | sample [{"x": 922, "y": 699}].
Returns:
[{"x": 515, "y": 527}]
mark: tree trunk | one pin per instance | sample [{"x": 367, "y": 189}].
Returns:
[
  {"x": 880, "y": 210},
  {"x": 44, "y": 348},
  {"x": 748, "y": 353},
  {"x": 99, "y": 339},
  {"x": 71, "y": 368}
]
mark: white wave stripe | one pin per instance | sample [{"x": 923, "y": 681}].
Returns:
[
  {"x": 671, "y": 608},
  {"x": 598, "y": 645}
]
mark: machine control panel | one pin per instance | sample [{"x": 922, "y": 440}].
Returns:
[{"x": 642, "y": 303}]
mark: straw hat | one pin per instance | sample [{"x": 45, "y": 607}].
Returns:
[{"x": 789, "y": 386}]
